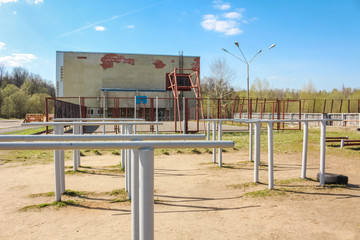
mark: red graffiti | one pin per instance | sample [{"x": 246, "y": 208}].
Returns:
[
  {"x": 195, "y": 66},
  {"x": 159, "y": 64},
  {"x": 172, "y": 60},
  {"x": 109, "y": 59}
]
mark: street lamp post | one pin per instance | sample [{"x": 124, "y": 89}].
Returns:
[{"x": 248, "y": 64}]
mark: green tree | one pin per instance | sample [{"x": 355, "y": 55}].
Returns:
[
  {"x": 36, "y": 103},
  {"x": 9, "y": 90}
]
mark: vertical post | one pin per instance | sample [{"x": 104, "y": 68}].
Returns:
[
  {"x": 184, "y": 117},
  {"x": 135, "y": 114},
  {"x": 135, "y": 193},
  {"x": 76, "y": 152},
  {"x": 208, "y": 108},
  {"x": 251, "y": 147},
  {"x": 270, "y": 156},
  {"x": 257, "y": 152},
  {"x": 214, "y": 139},
  {"x": 157, "y": 113},
  {"x": 220, "y": 138},
  {"x": 304, "y": 153},
  {"x": 62, "y": 162},
  {"x": 123, "y": 150},
  {"x": 208, "y": 131},
  {"x": 146, "y": 193},
  {"x": 342, "y": 143},
  {"x": 57, "y": 169},
  {"x": 322, "y": 152},
  {"x": 80, "y": 107},
  {"x": 103, "y": 131},
  {"x": 128, "y": 165}
]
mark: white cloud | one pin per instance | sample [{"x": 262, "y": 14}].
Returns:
[
  {"x": 233, "y": 15},
  {"x": 246, "y": 21},
  {"x": 17, "y": 59},
  {"x": 228, "y": 27},
  {"x": 2, "y": 45},
  {"x": 7, "y": 1},
  {"x": 34, "y": 1},
  {"x": 38, "y": 1},
  {"x": 131, "y": 26},
  {"x": 222, "y": 6},
  {"x": 99, "y": 28},
  {"x": 14, "y": 12}
]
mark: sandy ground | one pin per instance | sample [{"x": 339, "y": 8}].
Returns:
[{"x": 194, "y": 200}]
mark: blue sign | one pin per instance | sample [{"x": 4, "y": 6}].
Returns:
[{"x": 141, "y": 99}]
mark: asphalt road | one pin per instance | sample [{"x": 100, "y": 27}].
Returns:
[{"x": 12, "y": 125}]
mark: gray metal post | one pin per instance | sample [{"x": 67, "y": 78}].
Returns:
[
  {"x": 135, "y": 193},
  {"x": 270, "y": 156},
  {"x": 208, "y": 108},
  {"x": 304, "y": 153},
  {"x": 135, "y": 113},
  {"x": 62, "y": 162},
  {"x": 342, "y": 143},
  {"x": 257, "y": 152},
  {"x": 322, "y": 152},
  {"x": 251, "y": 140},
  {"x": 123, "y": 150},
  {"x": 220, "y": 138},
  {"x": 214, "y": 139},
  {"x": 57, "y": 169},
  {"x": 184, "y": 116},
  {"x": 76, "y": 152},
  {"x": 146, "y": 193},
  {"x": 157, "y": 113},
  {"x": 208, "y": 131},
  {"x": 128, "y": 164},
  {"x": 104, "y": 131}
]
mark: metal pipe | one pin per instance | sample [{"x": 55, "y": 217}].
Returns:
[
  {"x": 97, "y": 119},
  {"x": 251, "y": 140},
  {"x": 208, "y": 131},
  {"x": 146, "y": 194},
  {"x": 76, "y": 152},
  {"x": 135, "y": 114},
  {"x": 322, "y": 152},
  {"x": 257, "y": 152},
  {"x": 91, "y": 137},
  {"x": 57, "y": 170},
  {"x": 214, "y": 139},
  {"x": 89, "y": 123},
  {"x": 270, "y": 156},
  {"x": 122, "y": 150},
  {"x": 157, "y": 113},
  {"x": 135, "y": 193},
  {"x": 304, "y": 153},
  {"x": 220, "y": 138},
  {"x": 112, "y": 145},
  {"x": 184, "y": 118}
]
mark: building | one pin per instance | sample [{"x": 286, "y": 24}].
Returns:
[{"x": 106, "y": 83}]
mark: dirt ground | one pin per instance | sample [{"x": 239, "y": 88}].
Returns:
[{"x": 194, "y": 200}]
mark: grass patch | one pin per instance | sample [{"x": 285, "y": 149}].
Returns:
[
  {"x": 72, "y": 172},
  {"x": 114, "y": 152},
  {"x": 29, "y": 131},
  {"x": 57, "y": 204},
  {"x": 243, "y": 185},
  {"x": 165, "y": 151},
  {"x": 196, "y": 151},
  {"x": 48, "y": 194},
  {"x": 82, "y": 154},
  {"x": 208, "y": 151},
  {"x": 179, "y": 151},
  {"x": 73, "y": 193},
  {"x": 97, "y": 152},
  {"x": 266, "y": 193},
  {"x": 289, "y": 181}
]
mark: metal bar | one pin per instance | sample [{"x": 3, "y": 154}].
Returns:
[
  {"x": 219, "y": 138},
  {"x": 76, "y": 152},
  {"x": 146, "y": 194},
  {"x": 251, "y": 140},
  {"x": 112, "y": 145},
  {"x": 257, "y": 152},
  {"x": 91, "y": 137},
  {"x": 135, "y": 193},
  {"x": 57, "y": 170},
  {"x": 135, "y": 113},
  {"x": 270, "y": 156},
  {"x": 208, "y": 131},
  {"x": 157, "y": 113},
  {"x": 304, "y": 153},
  {"x": 214, "y": 139},
  {"x": 322, "y": 152},
  {"x": 122, "y": 150},
  {"x": 128, "y": 166},
  {"x": 88, "y": 123}
]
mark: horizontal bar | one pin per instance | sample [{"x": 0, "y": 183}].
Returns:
[
  {"x": 114, "y": 145},
  {"x": 284, "y": 120},
  {"x": 97, "y": 119},
  {"x": 88, "y": 123},
  {"x": 92, "y": 137}
]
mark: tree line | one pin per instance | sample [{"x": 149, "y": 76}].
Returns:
[{"x": 22, "y": 92}]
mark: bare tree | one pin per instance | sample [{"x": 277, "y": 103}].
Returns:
[{"x": 19, "y": 76}]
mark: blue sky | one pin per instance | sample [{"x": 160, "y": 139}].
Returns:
[{"x": 317, "y": 40}]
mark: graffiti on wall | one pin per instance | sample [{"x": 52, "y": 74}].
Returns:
[
  {"x": 195, "y": 66},
  {"x": 158, "y": 63},
  {"x": 109, "y": 59}
]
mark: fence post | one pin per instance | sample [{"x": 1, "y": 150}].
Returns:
[
  {"x": 57, "y": 169},
  {"x": 304, "y": 153},
  {"x": 322, "y": 152},
  {"x": 128, "y": 165},
  {"x": 135, "y": 193},
  {"x": 214, "y": 139},
  {"x": 76, "y": 153},
  {"x": 62, "y": 163},
  {"x": 251, "y": 140},
  {"x": 123, "y": 150},
  {"x": 157, "y": 113},
  {"x": 257, "y": 151},
  {"x": 220, "y": 138},
  {"x": 208, "y": 131},
  {"x": 146, "y": 193},
  {"x": 270, "y": 156}
]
